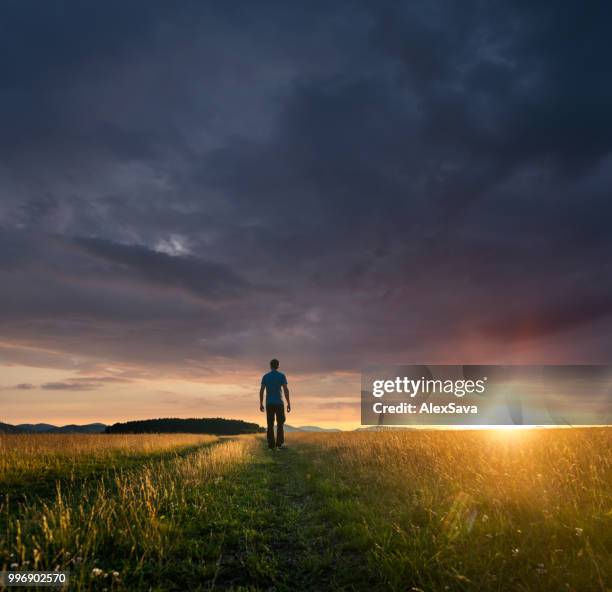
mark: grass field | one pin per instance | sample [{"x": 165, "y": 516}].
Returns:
[{"x": 416, "y": 510}]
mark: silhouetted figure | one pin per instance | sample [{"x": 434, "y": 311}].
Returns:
[{"x": 272, "y": 382}]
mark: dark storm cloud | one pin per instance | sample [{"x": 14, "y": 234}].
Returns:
[
  {"x": 103, "y": 379},
  {"x": 23, "y": 386},
  {"x": 553, "y": 318},
  {"x": 330, "y": 182},
  {"x": 198, "y": 276},
  {"x": 86, "y": 383},
  {"x": 69, "y": 386}
]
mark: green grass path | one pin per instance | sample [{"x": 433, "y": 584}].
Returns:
[{"x": 268, "y": 532}]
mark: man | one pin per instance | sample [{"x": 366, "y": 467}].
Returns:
[{"x": 272, "y": 382}]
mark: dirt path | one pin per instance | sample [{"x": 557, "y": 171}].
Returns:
[{"x": 280, "y": 539}]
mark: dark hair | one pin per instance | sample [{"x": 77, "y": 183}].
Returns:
[{"x": 274, "y": 363}]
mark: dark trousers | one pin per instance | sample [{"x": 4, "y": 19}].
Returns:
[{"x": 275, "y": 410}]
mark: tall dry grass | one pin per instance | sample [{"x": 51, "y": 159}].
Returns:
[
  {"x": 23, "y": 455},
  {"x": 498, "y": 509},
  {"x": 540, "y": 471},
  {"x": 132, "y": 517}
]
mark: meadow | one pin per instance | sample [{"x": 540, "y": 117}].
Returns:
[{"x": 527, "y": 510}]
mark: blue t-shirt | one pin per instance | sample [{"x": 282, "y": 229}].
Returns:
[{"x": 273, "y": 381}]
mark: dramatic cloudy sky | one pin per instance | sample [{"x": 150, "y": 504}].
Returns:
[{"x": 189, "y": 189}]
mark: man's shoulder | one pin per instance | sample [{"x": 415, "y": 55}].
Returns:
[{"x": 273, "y": 374}]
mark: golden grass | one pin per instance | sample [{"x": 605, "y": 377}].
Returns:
[
  {"x": 23, "y": 454},
  {"x": 519, "y": 509},
  {"x": 527, "y": 510},
  {"x": 138, "y": 511},
  {"x": 25, "y": 445},
  {"x": 542, "y": 470}
]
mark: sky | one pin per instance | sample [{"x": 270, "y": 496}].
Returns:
[{"x": 190, "y": 189}]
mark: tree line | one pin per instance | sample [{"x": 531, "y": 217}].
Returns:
[{"x": 217, "y": 426}]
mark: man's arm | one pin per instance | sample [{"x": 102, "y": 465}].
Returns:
[
  {"x": 286, "y": 391},
  {"x": 261, "y": 394}
]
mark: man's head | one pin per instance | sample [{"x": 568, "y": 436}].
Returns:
[{"x": 274, "y": 364}]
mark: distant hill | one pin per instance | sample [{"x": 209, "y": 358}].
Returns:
[
  {"x": 216, "y": 425},
  {"x": 36, "y": 427},
  {"x": 47, "y": 428},
  {"x": 290, "y": 428},
  {"x": 90, "y": 428},
  {"x": 6, "y": 428}
]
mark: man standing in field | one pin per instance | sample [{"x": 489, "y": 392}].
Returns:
[{"x": 272, "y": 382}]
